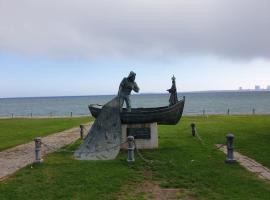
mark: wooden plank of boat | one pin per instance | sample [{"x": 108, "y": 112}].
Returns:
[{"x": 162, "y": 115}]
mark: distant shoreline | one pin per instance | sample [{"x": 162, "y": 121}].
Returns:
[
  {"x": 209, "y": 102},
  {"x": 81, "y": 116},
  {"x": 147, "y": 93},
  {"x": 43, "y": 117}
]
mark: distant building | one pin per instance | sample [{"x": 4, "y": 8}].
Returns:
[
  {"x": 268, "y": 87},
  {"x": 257, "y": 87}
]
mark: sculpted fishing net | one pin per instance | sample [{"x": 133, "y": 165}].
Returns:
[{"x": 104, "y": 138}]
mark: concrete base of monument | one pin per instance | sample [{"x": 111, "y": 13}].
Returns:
[{"x": 146, "y": 135}]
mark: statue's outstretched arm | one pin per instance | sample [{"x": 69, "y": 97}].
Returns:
[
  {"x": 136, "y": 88},
  {"x": 121, "y": 87}
]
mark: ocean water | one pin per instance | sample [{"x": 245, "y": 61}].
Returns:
[{"x": 211, "y": 102}]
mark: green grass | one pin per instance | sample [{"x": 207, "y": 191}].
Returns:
[
  {"x": 200, "y": 167},
  {"x": 61, "y": 177},
  {"x": 252, "y": 133},
  {"x": 180, "y": 162},
  {"x": 18, "y": 131}
]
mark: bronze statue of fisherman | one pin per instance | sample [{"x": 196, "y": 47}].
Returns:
[
  {"x": 173, "y": 91},
  {"x": 126, "y": 86}
]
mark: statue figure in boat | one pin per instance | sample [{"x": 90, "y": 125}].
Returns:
[
  {"x": 173, "y": 91},
  {"x": 105, "y": 136},
  {"x": 126, "y": 86},
  {"x": 169, "y": 115}
]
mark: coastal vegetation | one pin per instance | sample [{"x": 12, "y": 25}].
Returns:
[
  {"x": 21, "y": 130},
  {"x": 194, "y": 166}
]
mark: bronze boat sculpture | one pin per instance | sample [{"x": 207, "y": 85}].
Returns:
[
  {"x": 169, "y": 115},
  {"x": 104, "y": 139}
]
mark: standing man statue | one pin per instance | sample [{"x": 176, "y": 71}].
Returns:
[
  {"x": 173, "y": 91},
  {"x": 126, "y": 86}
]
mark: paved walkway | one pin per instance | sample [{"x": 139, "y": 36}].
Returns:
[
  {"x": 18, "y": 157},
  {"x": 250, "y": 164}
]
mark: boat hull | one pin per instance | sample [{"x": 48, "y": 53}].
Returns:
[{"x": 169, "y": 115}]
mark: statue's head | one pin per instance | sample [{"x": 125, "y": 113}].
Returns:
[
  {"x": 173, "y": 79},
  {"x": 132, "y": 76}
]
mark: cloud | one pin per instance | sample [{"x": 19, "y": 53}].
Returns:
[{"x": 135, "y": 28}]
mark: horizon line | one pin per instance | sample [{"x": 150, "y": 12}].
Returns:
[{"x": 145, "y": 93}]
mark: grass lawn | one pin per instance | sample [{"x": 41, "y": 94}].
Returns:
[
  {"x": 181, "y": 162},
  {"x": 18, "y": 131}
]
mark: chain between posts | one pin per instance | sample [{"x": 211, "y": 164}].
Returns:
[
  {"x": 49, "y": 147},
  {"x": 199, "y": 137},
  {"x": 195, "y": 132},
  {"x": 220, "y": 146},
  {"x": 140, "y": 155},
  {"x": 86, "y": 129}
]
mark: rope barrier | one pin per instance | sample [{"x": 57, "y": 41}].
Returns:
[
  {"x": 222, "y": 145},
  {"x": 185, "y": 129},
  {"x": 198, "y": 136},
  {"x": 49, "y": 147},
  {"x": 140, "y": 155},
  {"x": 86, "y": 129},
  {"x": 56, "y": 149}
]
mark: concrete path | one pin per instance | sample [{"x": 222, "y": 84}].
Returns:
[
  {"x": 250, "y": 164},
  {"x": 18, "y": 157}
]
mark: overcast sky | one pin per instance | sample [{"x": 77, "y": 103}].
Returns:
[{"x": 208, "y": 44}]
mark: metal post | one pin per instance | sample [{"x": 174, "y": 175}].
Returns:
[
  {"x": 228, "y": 111},
  {"x": 12, "y": 115},
  {"x": 70, "y": 114},
  {"x": 81, "y": 131},
  {"x": 130, "y": 157},
  {"x": 230, "y": 156},
  {"x": 31, "y": 115},
  {"x": 38, "y": 158},
  {"x": 253, "y": 111},
  {"x": 193, "y": 129},
  {"x": 203, "y": 112}
]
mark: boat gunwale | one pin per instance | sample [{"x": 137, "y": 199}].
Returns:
[{"x": 136, "y": 111}]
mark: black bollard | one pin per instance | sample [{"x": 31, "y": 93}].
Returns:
[
  {"x": 81, "y": 131},
  {"x": 38, "y": 158},
  {"x": 130, "y": 158},
  {"x": 193, "y": 129},
  {"x": 70, "y": 114},
  {"x": 228, "y": 111},
  {"x": 230, "y": 155}
]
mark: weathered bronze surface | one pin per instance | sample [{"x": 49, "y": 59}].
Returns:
[
  {"x": 173, "y": 91},
  {"x": 104, "y": 138},
  {"x": 162, "y": 115},
  {"x": 127, "y": 85}
]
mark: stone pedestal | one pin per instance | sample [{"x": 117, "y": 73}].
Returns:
[{"x": 146, "y": 135}]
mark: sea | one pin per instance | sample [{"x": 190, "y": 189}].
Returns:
[{"x": 237, "y": 102}]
